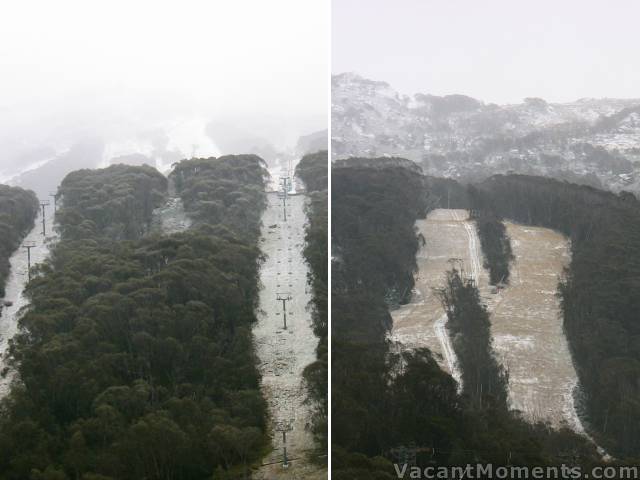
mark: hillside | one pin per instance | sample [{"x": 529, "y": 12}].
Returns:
[
  {"x": 599, "y": 295},
  {"x": 385, "y": 400},
  {"x": 589, "y": 141},
  {"x": 135, "y": 356}
]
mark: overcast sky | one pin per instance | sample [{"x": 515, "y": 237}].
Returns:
[
  {"x": 86, "y": 61},
  {"x": 495, "y": 50}
]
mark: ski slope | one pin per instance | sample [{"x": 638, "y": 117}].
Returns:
[
  {"x": 16, "y": 282},
  {"x": 526, "y": 326},
  {"x": 450, "y": 240},
  {"x": 284, "y": 353},
  {"x": 526, "y": 321}
]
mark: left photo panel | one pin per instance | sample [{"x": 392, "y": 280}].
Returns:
[{"x": 163, "y": 240}]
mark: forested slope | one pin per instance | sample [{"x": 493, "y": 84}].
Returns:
[
  {"x": 227, "y": 191},
  {"x": 313, "y": 171},
  {"x": 380, "y": 402},
  {"x": 135, "y": 359},
  {"x": 115, "y": 202},
  {"x": 18, "y": 210}
]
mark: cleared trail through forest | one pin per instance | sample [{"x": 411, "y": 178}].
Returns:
[
  {"x": 16, "y": 282},
  {"x": 449, "y": 240},
  {"x": 526, "y": 326},
  {"x": 526, "y": 321},
  {"x": 284, "y": 353},
  {"x": 171, "y": 218}
]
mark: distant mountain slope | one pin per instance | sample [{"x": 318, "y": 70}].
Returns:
[
  {"x": 591, "y": 141},
  {"x": 313, "y": 142},
  {"x": 45, "y": 178},
  {"x": 39, "y": 157}
]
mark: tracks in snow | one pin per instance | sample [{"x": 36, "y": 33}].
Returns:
[
  {"x": 440, "y": 324},
  {"x": 440, "y": 327}
]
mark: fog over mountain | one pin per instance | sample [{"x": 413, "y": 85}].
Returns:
[
  {"x": 146, "y": 82},
  {"x": 499, "y": 51}
]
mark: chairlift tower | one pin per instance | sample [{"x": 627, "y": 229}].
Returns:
[
  {"x": 283, "y": 197},
  {"x": 29, "y": 245},
  {"x": 43, "y": 204},
  {"x": 284, "y": 427},
  {"x": 285, "y": 184},
  {"x": 284, "y": 297}
]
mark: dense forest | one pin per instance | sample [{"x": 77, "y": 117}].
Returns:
[
  {"x": 18, "y": 210},
  {"x": 378, "y": 236},
  {"x": 313, "y": 171},
  {"x": 383, "y": 400},
  {"x": 135, "y": 359},
  {"x": 227, "y": 192},
  {"x": 116, "y": 202},
  {"x": 600, "y": 292}
]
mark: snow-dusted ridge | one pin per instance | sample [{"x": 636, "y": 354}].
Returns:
[{"x": 461, "y": 137}]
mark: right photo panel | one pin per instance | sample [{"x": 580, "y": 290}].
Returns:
[{"x": 485, "y": 231}]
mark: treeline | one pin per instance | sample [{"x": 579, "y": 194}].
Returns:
[
  {"x": 600, "y": 292},
  {"x": 135, "y": 359},
  {"x": 18, "y": 210},
  {"x": 313, "y": 171},
  {"x": 381, "y": 401}
]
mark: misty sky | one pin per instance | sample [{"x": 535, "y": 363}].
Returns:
[
  {"x": 496, "y": 50},
  {"x": 79, "y": 65}
]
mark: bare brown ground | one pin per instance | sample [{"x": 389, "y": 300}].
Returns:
[{"x": 526, "y": 325}]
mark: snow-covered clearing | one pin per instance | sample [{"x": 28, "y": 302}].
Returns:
[
  {"x": 171, "y": 217},
  {"x": 283, "y": 354}
]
